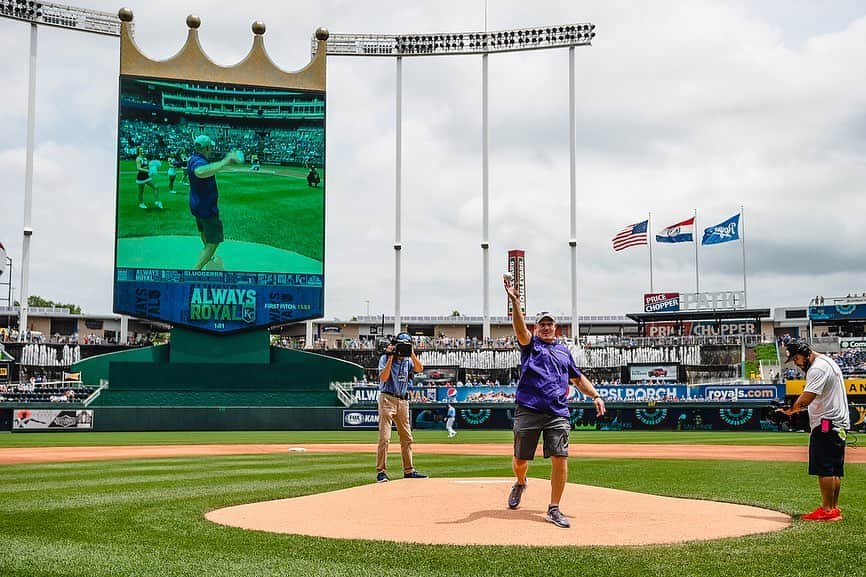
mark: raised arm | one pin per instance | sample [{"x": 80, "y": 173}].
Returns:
[
  {"x": 214, "y": 167},
  {"x": 520, "y": 331}
]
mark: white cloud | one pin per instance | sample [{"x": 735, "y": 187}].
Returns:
[{"x": 680, "y": 105}]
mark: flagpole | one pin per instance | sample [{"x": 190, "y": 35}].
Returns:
[
  {"x": 743, "y": 243},
  {"x": 649, "y": 228},
  {"x": 697, "y": 269}
]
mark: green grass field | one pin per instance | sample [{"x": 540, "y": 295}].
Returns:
[
  {"x": 273, "y": 207},
  {"x": 145, "y": 517}
]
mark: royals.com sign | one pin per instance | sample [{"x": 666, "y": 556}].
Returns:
[{"x": 745, "y": 393}]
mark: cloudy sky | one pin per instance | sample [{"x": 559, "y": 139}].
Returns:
[{"x": 681, "y": 106}]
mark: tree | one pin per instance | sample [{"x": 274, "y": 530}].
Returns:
[
  {"x": 38, "y": 301},
  {"x": 456, "y": 313}
]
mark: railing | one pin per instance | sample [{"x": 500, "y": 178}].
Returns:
[{"x": 344, "y": 393}]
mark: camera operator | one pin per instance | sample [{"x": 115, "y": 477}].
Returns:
[
  {"x": 397, "y": 368},
  {"x": 825, "y": 398}
]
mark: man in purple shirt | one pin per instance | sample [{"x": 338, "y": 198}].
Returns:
[
  {"x": 546, "y": 369},
  {"x": 203, "y": 195}
]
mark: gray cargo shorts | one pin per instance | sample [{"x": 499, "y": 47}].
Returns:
[{"x": 528, "y": 427}]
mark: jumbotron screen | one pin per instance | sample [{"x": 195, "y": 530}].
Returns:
[{"x": 220, "y": 204}]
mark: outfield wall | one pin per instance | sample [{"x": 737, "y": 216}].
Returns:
[{"x": 621, "y": 416}]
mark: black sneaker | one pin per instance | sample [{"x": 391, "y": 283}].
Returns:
[
  {"x": 514, "y": 496},
  {"x": 555, "y": 516},
  {"x": 414, "y": 475},
  {"x": 381, "y": 477}
]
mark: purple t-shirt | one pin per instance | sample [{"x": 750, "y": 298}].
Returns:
[
  {"x": 545, "y": 371},
  {"x": 203, "y": 193}
]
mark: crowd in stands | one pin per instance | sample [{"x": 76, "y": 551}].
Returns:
[
  {"x": 37, "y": 390},
  {"x": 276, "y": 146},
  {"x": 851, "y": 361}
]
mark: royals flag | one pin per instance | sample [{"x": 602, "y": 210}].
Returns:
[
  {"x": 632, "y": 235},
  {"x": 723, "y": 232},
  {"x": 680, "y": 232}
]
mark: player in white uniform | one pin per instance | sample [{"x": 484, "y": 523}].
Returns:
[{"x": 144, "y": 178}]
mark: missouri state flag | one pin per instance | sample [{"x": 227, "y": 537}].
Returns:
[{"x": 680, "y": 232}]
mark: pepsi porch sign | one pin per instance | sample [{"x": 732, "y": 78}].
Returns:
[{"x": 661, "y": 302}]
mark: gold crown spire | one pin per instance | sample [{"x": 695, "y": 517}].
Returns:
[{"x": 191, "y": 63}]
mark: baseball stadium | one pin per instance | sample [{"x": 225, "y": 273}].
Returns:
[{"x": 218, "y": 423}]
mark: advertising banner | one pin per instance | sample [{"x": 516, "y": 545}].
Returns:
[
  {"x": 853, "y": 343},
  {"x": 432, "y": 375},
  {"x": 737, "y": 393},
  {"x": 476, "y": 394},
  {"x": 661, "y": 302},
  {"x": 368, "y": 394},
  {"x": 640, "y": 393},
  {"x": 364, "y": 419},
  {"x": 650, "y": 373},
  {"x": 52, "y": 419},
  {"x": 627, "y": 393},
  {"x": 702, "y": 328},
  {"x": 854, "y": 387},
  {"x": 838, "y": 312}
]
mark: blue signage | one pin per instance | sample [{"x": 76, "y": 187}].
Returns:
[
  {"x": 838, "y": 312},
  {"x": 732, "y": 392},
  {"x": 218, "y": 301}
]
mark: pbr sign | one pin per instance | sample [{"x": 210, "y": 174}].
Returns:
[{"x": 661, "y": 302}]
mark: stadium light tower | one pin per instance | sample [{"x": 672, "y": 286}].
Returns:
[
  {"x": 483, "y": 43},
  {"x": 59, "y": 16}
]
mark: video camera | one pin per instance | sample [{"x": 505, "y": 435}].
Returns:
[
  {"x": 401, "y": 348},
  {"x": 775, "y": 416}
]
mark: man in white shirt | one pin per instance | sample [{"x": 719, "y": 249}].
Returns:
[{"x": 825, "y": 397}]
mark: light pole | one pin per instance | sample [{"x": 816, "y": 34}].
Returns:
[
  {"x": 477, "y": 43},
  {"x": 59, "y": 16},
  {"x": 368, "y": 307}
]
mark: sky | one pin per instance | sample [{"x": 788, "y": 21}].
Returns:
[{"x": 681, "y": 106}]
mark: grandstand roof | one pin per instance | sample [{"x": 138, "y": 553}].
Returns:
[{"x": 708, "y": 315}]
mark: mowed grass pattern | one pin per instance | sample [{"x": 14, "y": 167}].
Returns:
[
  {"x": 277, "y": 210},
  {"x": 80, "y": 438},
  {"x": 145, "y": 517}
]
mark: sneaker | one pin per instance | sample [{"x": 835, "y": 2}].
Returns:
[
  {"x": 158, "y": 204},
  {"x": 515, "y": 495},
  {"x": 555, "y": 516},
  {"x": 381, "y": 477},
  {"x": 820, "y": 514},
  {"x": 414, "y": 475},
  {"x": 142, "y": 205}
]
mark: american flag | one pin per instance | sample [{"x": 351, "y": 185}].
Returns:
[{"x": 632, "y": 235}]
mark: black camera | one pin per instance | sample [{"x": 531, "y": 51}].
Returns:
[
  {"x": 775, "y": 416},
  {"x": 401, "y": 348}
]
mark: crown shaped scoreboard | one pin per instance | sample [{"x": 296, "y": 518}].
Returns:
[{"x": 220, "y": 187}]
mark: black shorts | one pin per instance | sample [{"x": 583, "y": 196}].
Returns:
[
  {"x": 529, "y": 426},
  {"x": 212, "y": 228},
  {"x": 826, "y": 454}
]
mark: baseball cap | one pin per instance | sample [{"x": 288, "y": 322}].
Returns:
[
  {"x": 404, "y": 338},
  {"x": 203, "y": 140},
  {"x": 797, "y": 347},
  {"x": 544, "y": 315}
]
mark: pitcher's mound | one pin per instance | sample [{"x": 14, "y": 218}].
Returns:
[{"x": 474, "y": 512}]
